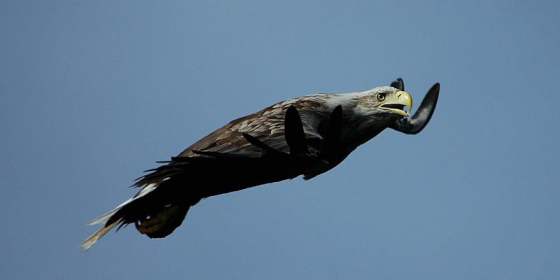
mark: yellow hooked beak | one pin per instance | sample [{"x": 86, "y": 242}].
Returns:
[{"x": 401, "y": 103}]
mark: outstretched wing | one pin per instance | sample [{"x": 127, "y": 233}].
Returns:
[{"x": 415, "y": 124}]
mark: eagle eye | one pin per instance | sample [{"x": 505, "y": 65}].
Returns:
[{"x": 380, "y": 96}]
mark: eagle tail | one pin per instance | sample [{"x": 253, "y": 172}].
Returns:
[
  {"x": 150, "y": 210},
  {"x": 92, "y": 239}
]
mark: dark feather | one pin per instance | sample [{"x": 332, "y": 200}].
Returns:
[
  {"x": 293, "y": 132},
  {"x": 257, "y": 143},
  {"x": 398, "y": 84},
  {"x": 334, "y": 130},
  {"x": 420, "y": 119}
]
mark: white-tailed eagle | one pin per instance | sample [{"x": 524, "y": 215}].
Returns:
[{"x": 302, "y": 136}]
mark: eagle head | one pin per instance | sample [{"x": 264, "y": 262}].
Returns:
[{"x": 384, "y": 103}]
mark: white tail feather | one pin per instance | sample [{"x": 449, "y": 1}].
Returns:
[
  {"x": 105, "y": 217},
  {"x": 146, "y": 189},
  {"x": 98, "y": 234}
]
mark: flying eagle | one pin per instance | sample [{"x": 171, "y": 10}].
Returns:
[{"x": 302, "y": 136}]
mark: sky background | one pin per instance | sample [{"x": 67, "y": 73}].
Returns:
[{"x": 94, "y": 92}]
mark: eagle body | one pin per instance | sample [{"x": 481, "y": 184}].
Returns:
[
  {"x": 268, "y": 126},
  {"x": 306, "y": 136}
]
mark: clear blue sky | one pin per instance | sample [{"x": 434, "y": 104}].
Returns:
[{"x": 94, "y": 92}]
